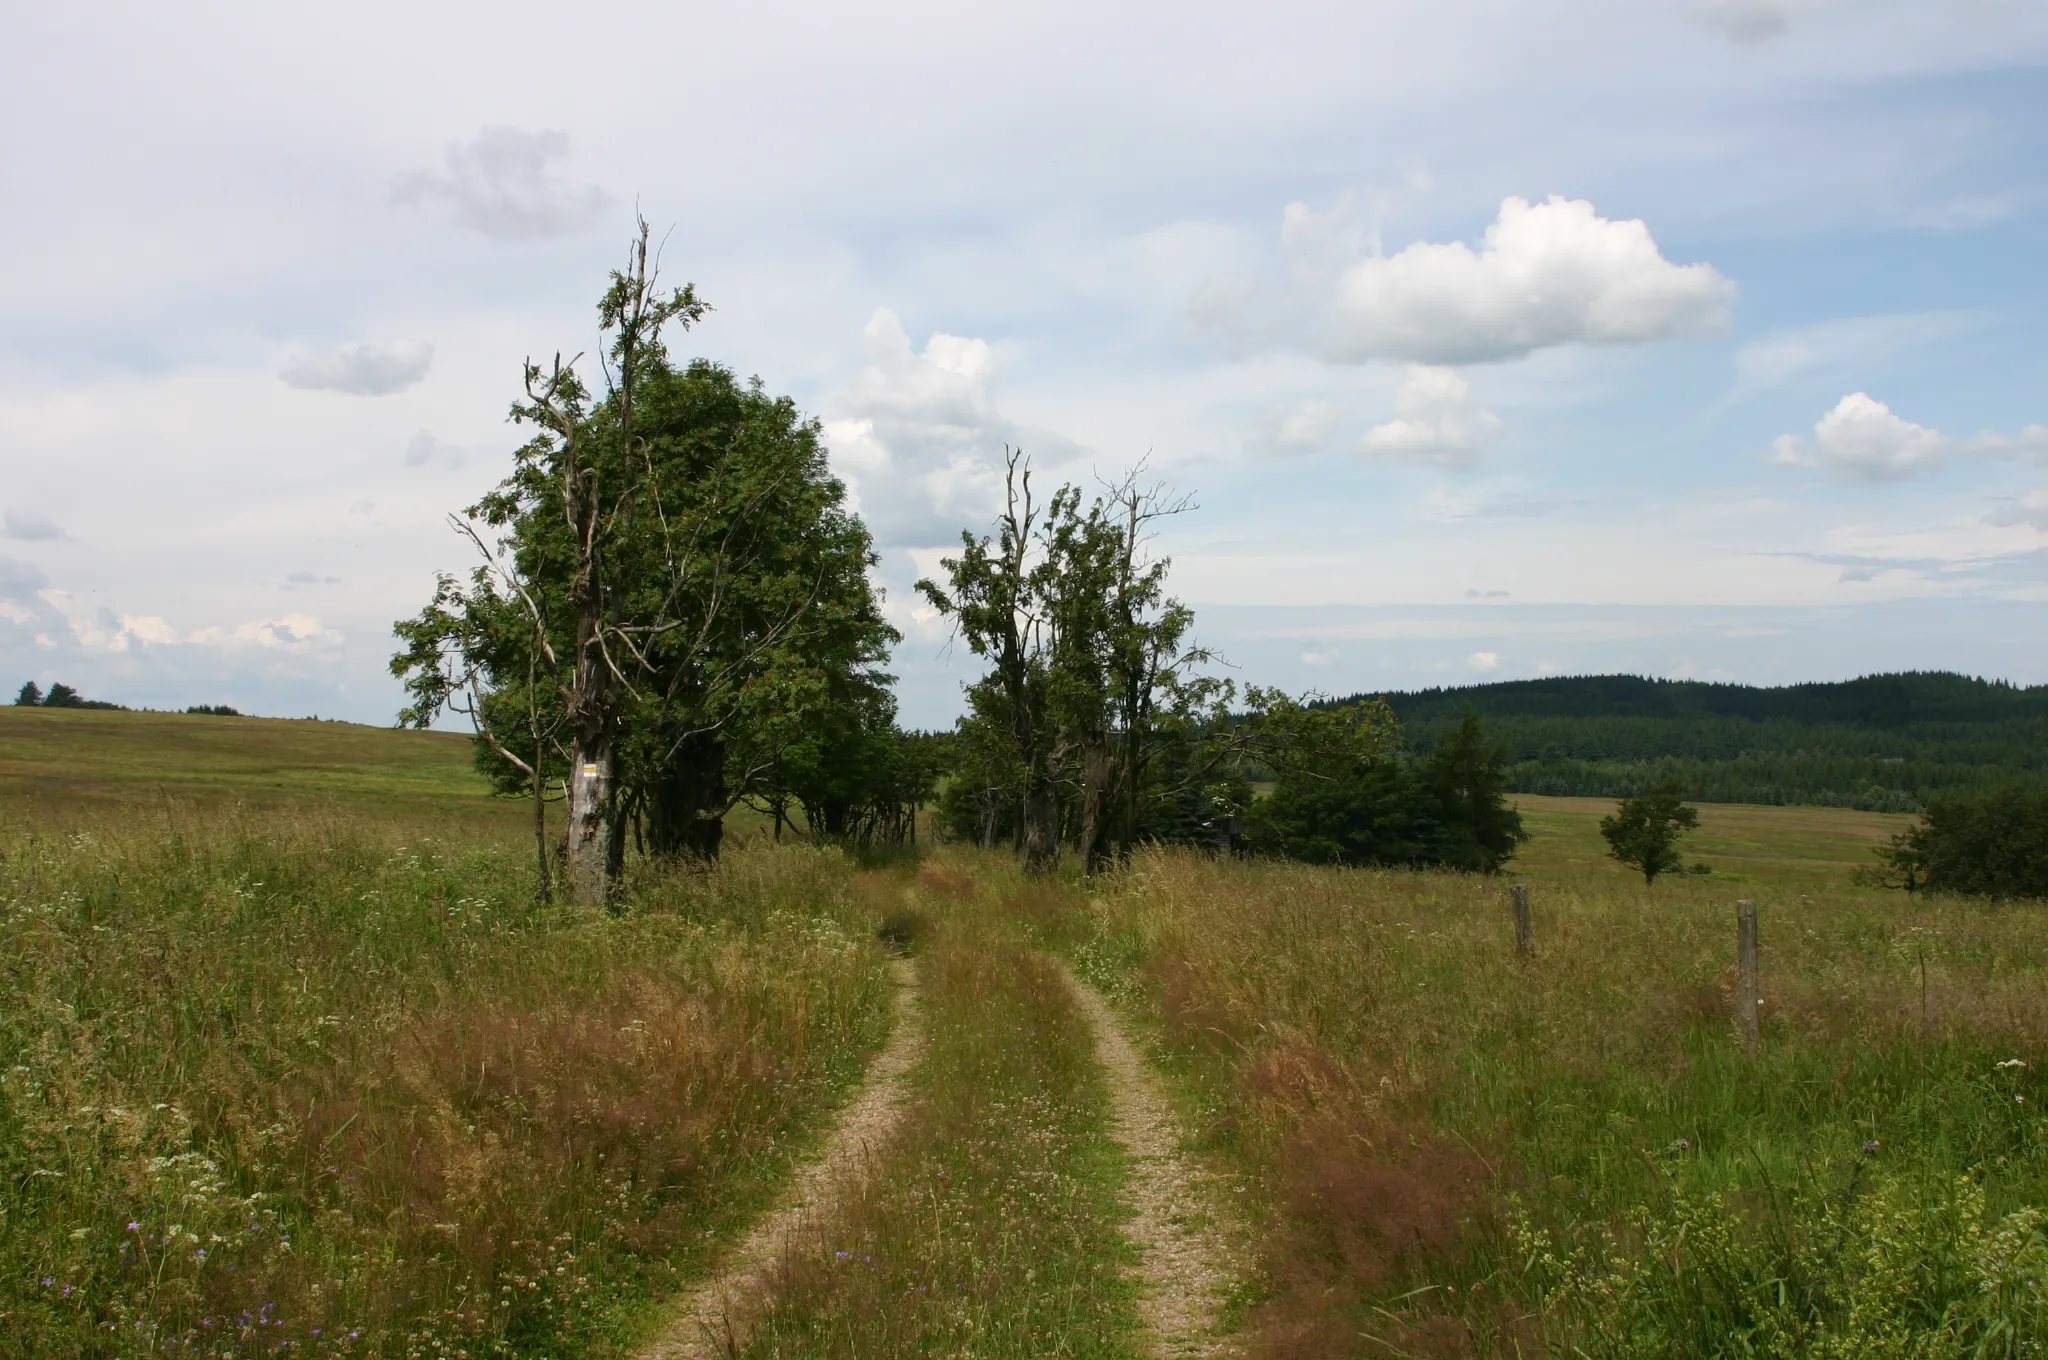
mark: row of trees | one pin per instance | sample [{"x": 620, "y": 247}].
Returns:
[
  {"x": 31, "y": 695},
  {"x": 1096, "y": 726},
  {"x": 672, "y": 613}
]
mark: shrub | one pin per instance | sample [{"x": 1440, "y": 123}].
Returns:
[
  {"x": 1909, "y": 1268},
  {"x": 1993, "y": 843},
  {"x": 1348, "y": 795}
]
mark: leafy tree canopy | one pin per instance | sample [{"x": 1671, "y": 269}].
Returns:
[
  {"x": 1348, "y": 793},
  {"x": 1644, "y": 832},
  {"x": 740, "y": 609},
  {"x": 1992, "y": 844}
]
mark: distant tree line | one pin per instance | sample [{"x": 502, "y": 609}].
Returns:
[
  {"x": 671, "y": 616},
  {"x": 31, "y": 695},
  {"x": 1885, "y": 743},
  {"x": 60, "y": 695}
]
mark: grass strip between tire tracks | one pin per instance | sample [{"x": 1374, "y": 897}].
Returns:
[{"x": 990, "y": 1225}]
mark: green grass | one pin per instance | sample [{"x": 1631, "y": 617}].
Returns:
[
  {"x": 60, "y": 762},
  {"x": 989, "y": 1227},
  {"x": 1808, "y": 847},
  {"x": 277, "y": 991}
]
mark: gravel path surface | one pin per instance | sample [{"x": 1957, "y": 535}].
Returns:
[
  {"x": 712, "y": 1319},
  {"x": 1180, "y": 1218}
]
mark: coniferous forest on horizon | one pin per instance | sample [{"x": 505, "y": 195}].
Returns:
[{"x": 1882, "y": 743}]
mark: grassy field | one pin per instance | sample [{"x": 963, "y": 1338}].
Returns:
[
  {"x": 293, "y": 1065},
  {"x": 1742, "y": 843},
  {"x": 72, "y": 762},
  {"x": 1462, "y": 1155}
]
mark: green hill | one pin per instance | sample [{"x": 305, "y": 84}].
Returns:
[
  {"x": 1880, "y": 742},
  {"x": 55, "y": 762}
]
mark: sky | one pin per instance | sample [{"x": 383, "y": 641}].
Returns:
[{"x": 1689, "y": 338}]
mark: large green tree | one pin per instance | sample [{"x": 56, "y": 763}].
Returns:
[
  {"x": 1082, "y": 725},
  {"x": 671, "y": 590},
  {"x": 1005, "y": 605}
]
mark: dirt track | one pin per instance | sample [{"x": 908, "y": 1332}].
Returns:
[
  {"x": 712, "y": 1320},
  {"x": 1179, "y": 1213}
]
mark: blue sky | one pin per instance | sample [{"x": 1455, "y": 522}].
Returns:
[{"x": 1683, "y": 337}]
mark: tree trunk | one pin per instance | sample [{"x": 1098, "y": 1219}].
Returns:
[
  {"x": 1039, "y": 836},
  {"x": 590, "y": 821},
  {"x": 540, "y": 828},
  {"x": 685, "y": 807},
  {"x": 1095, "y": 778}
]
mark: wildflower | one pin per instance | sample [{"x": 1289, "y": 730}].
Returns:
[{"x": 2012, "y": 1062}]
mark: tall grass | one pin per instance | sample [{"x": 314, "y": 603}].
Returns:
[
  {"x": 306, "y": 1085},
  {"x": 1463, "y": 1155}
]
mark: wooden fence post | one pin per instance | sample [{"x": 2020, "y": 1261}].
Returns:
[
  {"x": 1746, "y": 999},
  {"x": 1525, "y": 930}
]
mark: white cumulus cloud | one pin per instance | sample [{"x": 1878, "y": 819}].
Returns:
[
  {"x": 506, "y": 184},
  {"x": 920, "y": 438},
  {"x": 365, "y": 370},
  {"x": 19, "y": 580},
  {"x": 1304, "y": 426},
  {"x": 1436, "y": 420},
  {"x": 1546, "y": 274},
  {"x": 291, "y": 632},
  {"x": 1861, "y": 438},
  {"x": 2030, "y": 510}
]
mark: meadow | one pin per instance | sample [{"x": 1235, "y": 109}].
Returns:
[
  {"x": 1459, "y": 1153},
  {"x": 61, "y": 766},
  {"x": 292, "y": 1063},
  {"x": 314, "y": 1074}
]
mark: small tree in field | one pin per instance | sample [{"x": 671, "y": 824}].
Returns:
[
  {"x": 1644, "y": 832},
  {"x": 31, "y": 695}
]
